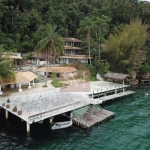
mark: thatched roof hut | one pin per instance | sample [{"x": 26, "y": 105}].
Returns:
[{"x": 117, "y": 76}]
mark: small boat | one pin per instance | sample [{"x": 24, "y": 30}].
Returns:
[
  {"x": 146, "y": 94},
  {"x": 61, "y": 125},
  {"x": 64, "y": 124}
]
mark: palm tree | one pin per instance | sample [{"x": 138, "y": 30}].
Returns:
[
  {"x": 50, "y": 45},
  {"x": 87, "y": 26},
  {"x": 103, "y": 26},
  {"x": 6, "y": 73}
]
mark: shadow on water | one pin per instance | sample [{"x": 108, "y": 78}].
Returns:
[{"x": 13, "y": 133}]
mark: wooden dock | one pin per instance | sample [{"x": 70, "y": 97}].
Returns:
[{"x": 92, "y": 118}]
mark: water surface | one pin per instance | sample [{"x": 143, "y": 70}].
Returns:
[{"x": 129, "y": 130}]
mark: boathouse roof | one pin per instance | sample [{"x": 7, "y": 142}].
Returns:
[
  {"x": 39, "y": 105},
  {"x": 117, "y": 76}
]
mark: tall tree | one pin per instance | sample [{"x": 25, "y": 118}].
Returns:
[
  {"x": 102, "y": 30},
  {"x": 123, "y": 46},
  {"x": 6, "y": 72},
  {"x": 50, "y": 45},
  {"x": 88, "y": 27}
]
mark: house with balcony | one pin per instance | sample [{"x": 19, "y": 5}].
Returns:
[{"x": 72, "y": 52}]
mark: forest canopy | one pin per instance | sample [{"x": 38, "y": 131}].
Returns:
[{"x": 20, "y": 19}]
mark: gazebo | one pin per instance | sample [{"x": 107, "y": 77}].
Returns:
[
  {"x": 22, "y": 78},
  {"x": 117, "y": 77}
]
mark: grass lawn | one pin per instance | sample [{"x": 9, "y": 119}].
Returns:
[{"x": 56, "y": 83}]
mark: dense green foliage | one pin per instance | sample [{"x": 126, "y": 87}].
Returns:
[
  {"x": 20, "y": 19},
  {"x": 6, "y": 73},
  {"x": 123, "y": 46},
  {"x": 144, "y": 69}
]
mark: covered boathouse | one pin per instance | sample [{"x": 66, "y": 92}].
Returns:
[{"x": 40, "y": 105}]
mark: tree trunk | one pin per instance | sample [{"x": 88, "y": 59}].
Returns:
[
  {"x": 89, "y": 46},
  {"x": 46, "y": 77},
  {"x": 99, "y": 54}
]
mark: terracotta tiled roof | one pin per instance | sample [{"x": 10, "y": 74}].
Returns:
[
  {"x": 22, "y": 77},
  {"x": 71, "y": 40},
  {"x": 76, "y": 57},
  {"x": 57, "y": 69},
  {"x": 12, "y": 56}
]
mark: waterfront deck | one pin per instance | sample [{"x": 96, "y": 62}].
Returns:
[
  {"x": 38, "y": 106},
  {"x": 41, "y": 104},
  {"x": 110, "y": 97},
  {"x": 91, "y": 118}
]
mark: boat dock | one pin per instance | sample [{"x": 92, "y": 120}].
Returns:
[
  {"x": 110, "y": 97},
  {"x": 37, "y": 106},
  {"x": 47, "y": 103},
  {"x": 93, "y": 115}
]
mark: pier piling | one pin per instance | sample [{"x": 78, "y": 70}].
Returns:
[
  {"x": 6, "y": 114},
  {"x": 28, "y": 128}
]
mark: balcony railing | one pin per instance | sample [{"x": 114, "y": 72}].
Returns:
[{"x": 74, "y": 55}]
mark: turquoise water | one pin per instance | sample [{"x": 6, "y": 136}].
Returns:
[{"x": 129, "y": 130}]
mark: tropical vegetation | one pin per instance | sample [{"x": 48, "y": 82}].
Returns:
[
  {"x": 50, "y": 44},
  {"x": 95, "y": 22},
  {"x": 6, "y": 72}
]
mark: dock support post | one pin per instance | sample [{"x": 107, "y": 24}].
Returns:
[
  {"x": 93, "y": 94},
  {"x": 51, "y": 120},
  {"x": 123, "y": 85},
  {"x": 115, "y": 90},
  {"x": 6, "y": 114},
  {"x": 28, "y": 128},
  {"x": 1, "y": 89}
]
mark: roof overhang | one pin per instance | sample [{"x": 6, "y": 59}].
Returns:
[
  {"x": 72, "y": 47},
  {"x": 12, "y": 56},
  {"x": 71, "y": 40},
  {"x": 57, "y": 69},
  {"x": 75, "y": 57},
  {"x": 117, "y": 76},
  {"x": 22, "y": 77}
]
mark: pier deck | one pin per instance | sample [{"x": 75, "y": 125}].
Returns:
[
  {"x": 110, "y": 97},
  {"x": 91, "y": 118},
  {"x": 38, "y": 106}
]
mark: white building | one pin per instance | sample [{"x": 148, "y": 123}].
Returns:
[{"x": 72, "y": 52}]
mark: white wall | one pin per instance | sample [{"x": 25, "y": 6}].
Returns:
[
  {"x": 68, "y": 74},
  {"x": 84, "y": 61},
  {"x": 38, "y": 62}
]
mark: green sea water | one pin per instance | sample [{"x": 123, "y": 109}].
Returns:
[{"x": 129, "y": 130}]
